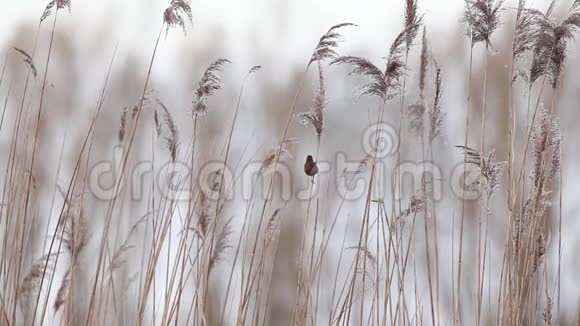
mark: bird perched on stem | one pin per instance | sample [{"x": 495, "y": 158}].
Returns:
[{"x": 310, "y": 167}]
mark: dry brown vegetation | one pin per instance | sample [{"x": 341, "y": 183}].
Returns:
[{"x": 191, "y": 249}]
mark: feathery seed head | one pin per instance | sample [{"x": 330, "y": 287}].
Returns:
[
  {"x": 377, "y": 85},
  {"x": 482, "y": 18},
  {"x": 275, "y": 155},
  {"x": 423, "y": 65},
  {"x": 490, "y": 171},
  {"x": 221, "y": 245},
  {"x": 173, "y": 16},
  {"x": 209, "y": 83},
  {"x": 396, "y": 67},
  {"x": 254, "y": 69},
  {"x": 315, "y": 117},
  {"x": 415, "y": 115},
  {"x": 412, "y": 17},
  {"x": 436, "y": 116},
  {"x": 27, "y": 59},
  {"x": 325, "y": 49},
  {"x": 60, "y": 4}
]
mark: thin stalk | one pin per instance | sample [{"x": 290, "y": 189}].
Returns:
[
  {"x": 216, "y": 217},
  {"x": 427, "y": 250},
  {"x": 29, "y": 183},
  {"x": 457, "y": 304},
  {"x": 480, "y": 272},
  {"x": 225, "y": 167},
  {"x": 111, "y": 205},
  {"x": 560, "y": 199}
]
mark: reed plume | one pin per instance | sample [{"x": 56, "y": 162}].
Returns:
[
  {"x": 273, "y": 158},
  {"x": 273, "y": 221},
  {"x": 42, "y": 268},
  {"x": 62, "y": 294},
  {"x": 562, "y": 34},
  {"x": 119, "y": 257},
  {"x": 547, "y": 314},
  {"x": 75, "y": 237},
  {"x": 412, "y": 18},
  {"x": 222, "y": 244},
  {"x": 423, "y": 65},
  {"x": 27, "y": 59},
  {"x": 172, "y": 137},
  {"x": 325, "y": 49},
  {"x": 489, "y": 169},
  {"x": 396, "y": 66},
  {"x": 377, "y": 85},
  {"x": 416, "y": 112},
  {"x": 549, "y": 53},
  {"x": 551, "y": 7},
  {"x": 436, "y": 115},
  {"x": 349, "y": 175},
  {"x": 176, "y": 13},
  {"x": 546, "y": 141},
  {"x": 315, "y": 117},
  {"x": 417, "y": 205},
  {"x": 482, "y": 18},
  {"x": 157, "y": 123},
  {"x": 539, "y": 252},
  {"x": 526, "y": 32},
  {"x": 123, "y": 125},
  {"x": 254, "y": 69},
  {"x": 209, "y": 83},
  {"x": 60, "y": 4},
  {"x": 382, "y": 84},
  {"x": 371, "y": 259},
  {"x": 150, "y": 97},
  {"x": 528, "y": 29},
  {"x": 203, "y": 220}
]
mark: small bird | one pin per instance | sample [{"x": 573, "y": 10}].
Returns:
[{"x": 310, "y": 167}]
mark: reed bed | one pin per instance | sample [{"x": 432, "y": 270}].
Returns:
[{"x": 160, "y": 213}]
